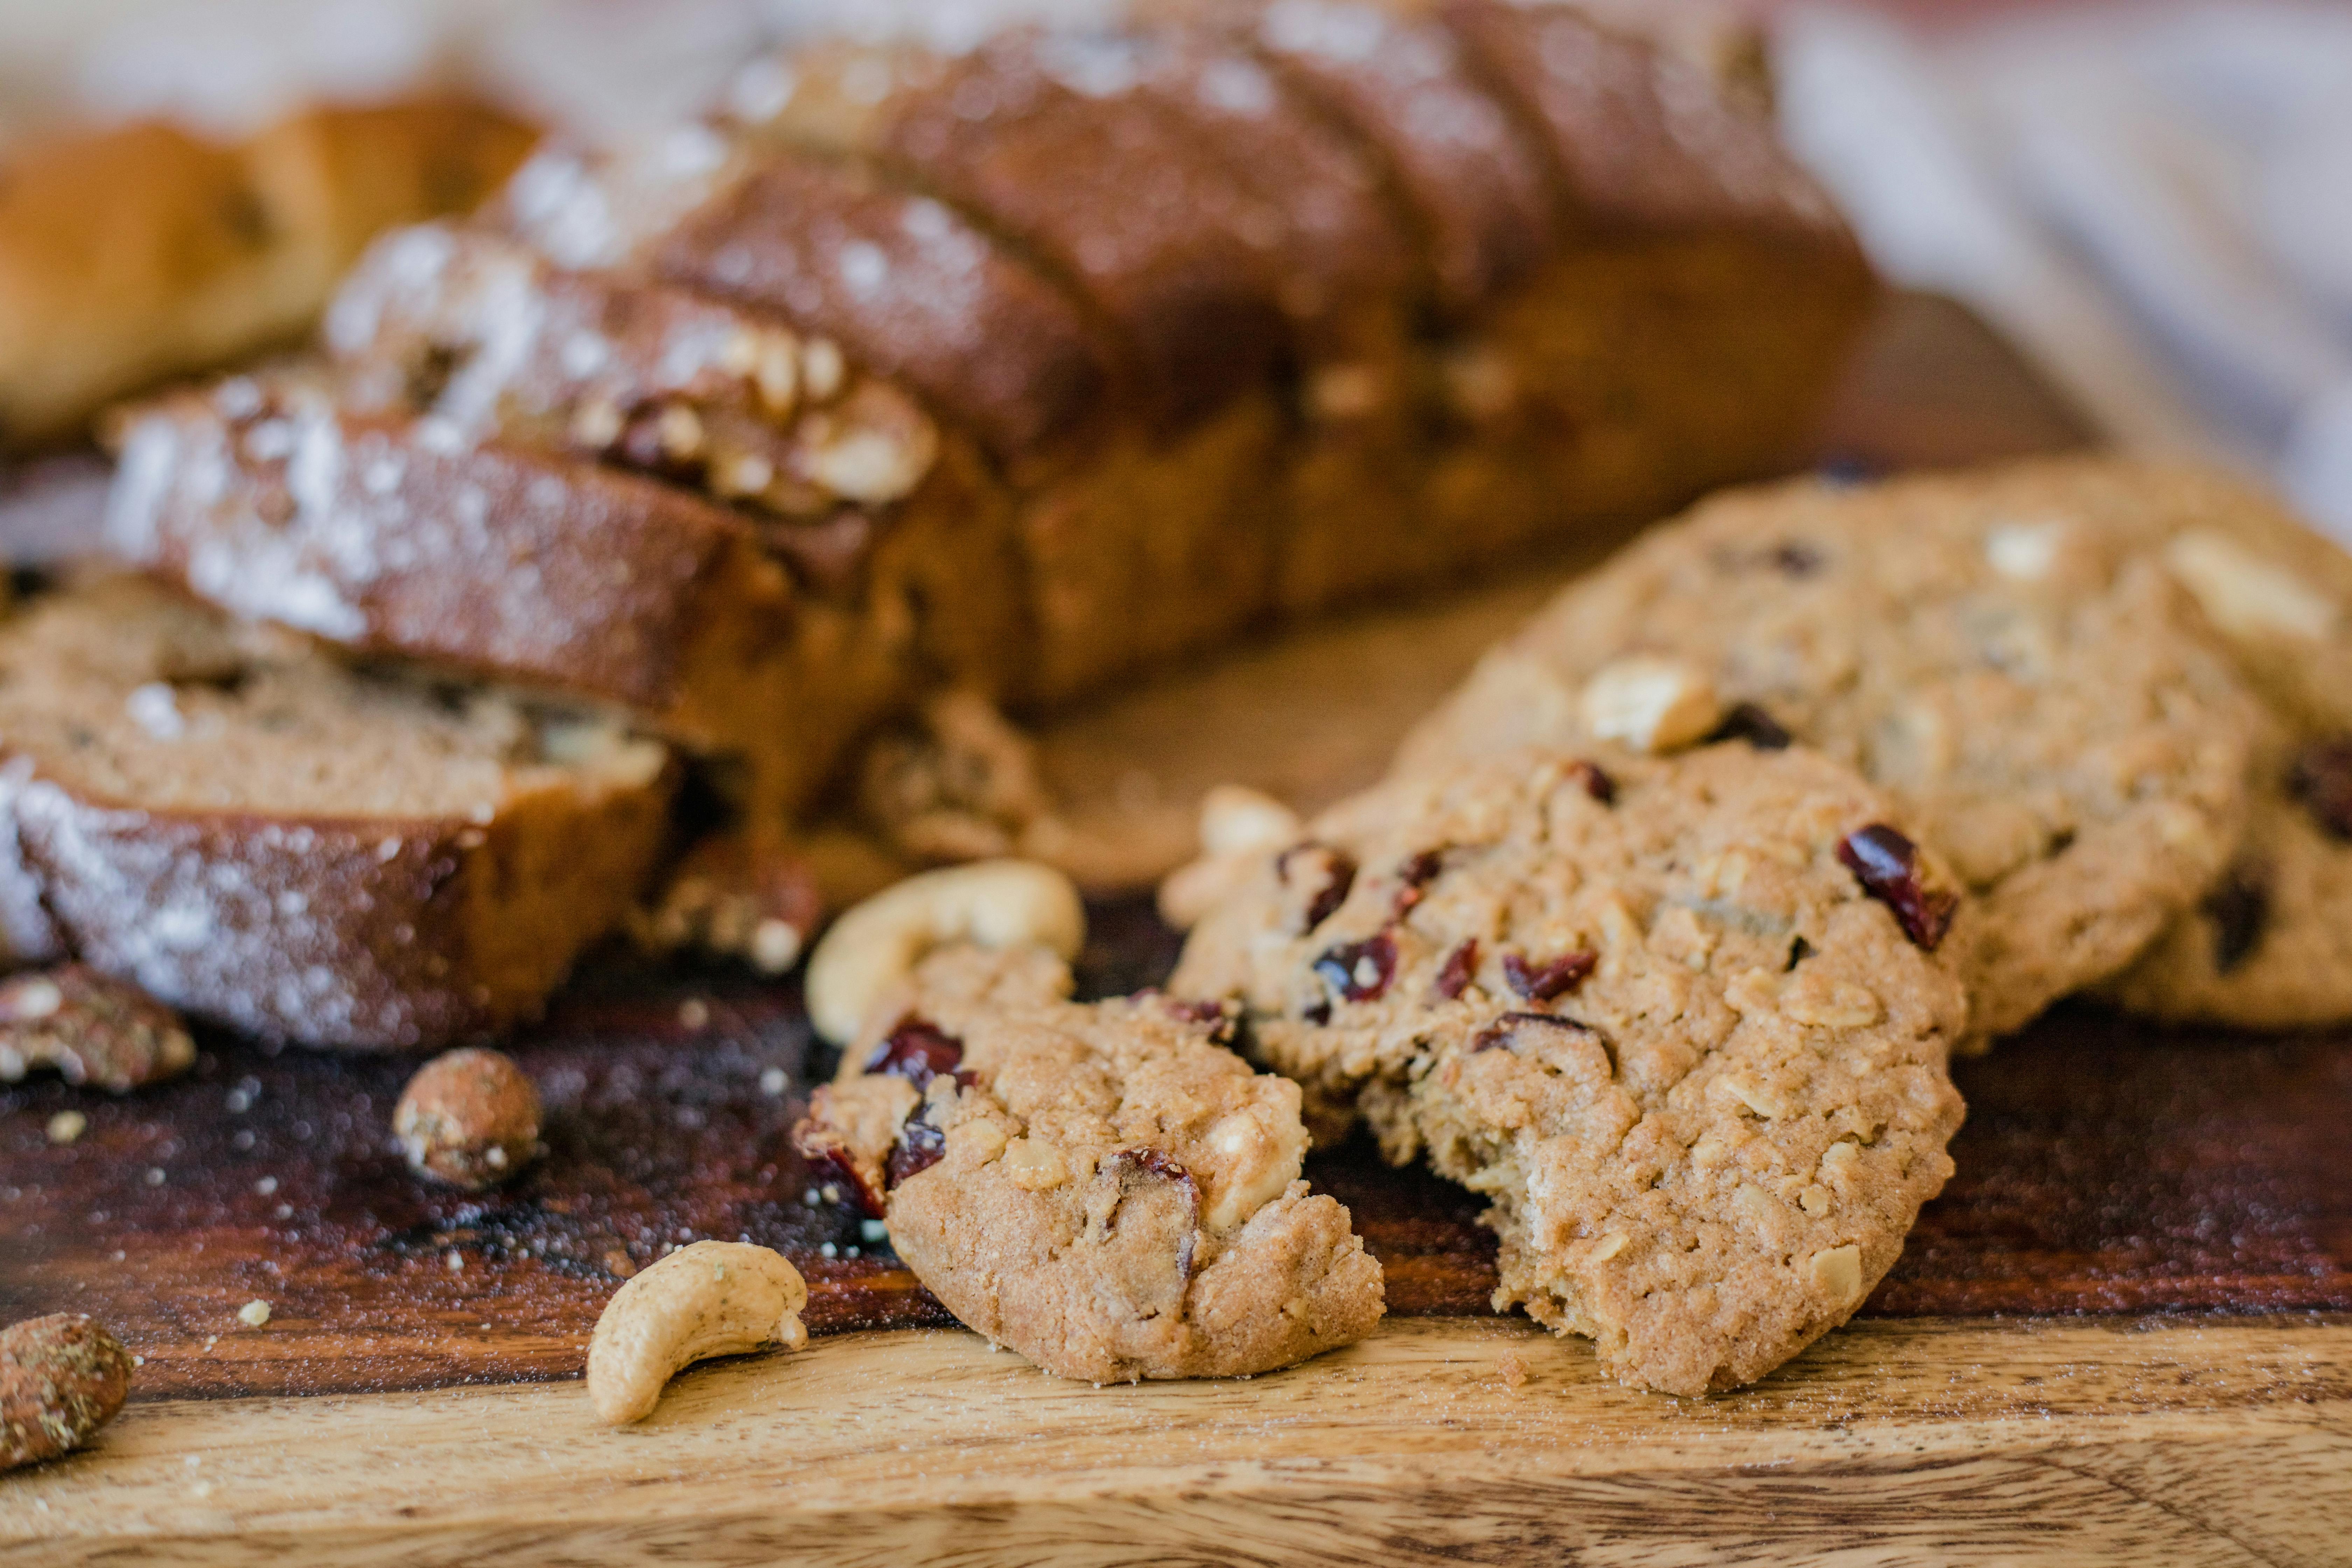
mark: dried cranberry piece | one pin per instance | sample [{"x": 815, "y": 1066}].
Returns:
[
  {"x": 1557, "y": 978},
  {"x": 1453, "y": 977},
  {"x": 1597, "y": 783},
  {"x": 830, "y": 1164},
  {"x": 2322, "y": 779},
  {"x": 1157, "y": 1164},
  {"x": 1887, "y": 866},
  {"x": 1338, "y": 870},
  {"x": 919, "y": 1051},
  {"x": 920, "y": 1146},
  {"x": 1223, "y": 1024},
  {"x": 1360, "y": 970},
  {"x": 1414, "y": 876},
  {"x": 2241, "y": 910},
  {"x": 1749, "y": 723},
  {"x": 1504, "y": 1030}
]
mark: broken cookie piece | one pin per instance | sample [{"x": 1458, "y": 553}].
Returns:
[
  {"x": 1686, "y": 1035},
  {"x": 93, "y": 1028},
  {"x": 1104, "y": 1187}
]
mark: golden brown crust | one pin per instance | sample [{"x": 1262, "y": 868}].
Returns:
[
  {"x": 1473, "y": 183},
  {"x": 910, "y": 289},
  {"x": 1049, "y": 140},
  {"x": 1640, "y": 138},
  {"x": 179, "y": 809},
  {"x": 196, "y": 253},
  {"x": 494, "y": 558}
]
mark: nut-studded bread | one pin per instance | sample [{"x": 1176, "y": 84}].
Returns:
[
  {"x": 258, "y": 835},
  {"x": 493, "y": 557},
  {"x": 1038, "y": 365},
  {"x": 131, "y": 255}
]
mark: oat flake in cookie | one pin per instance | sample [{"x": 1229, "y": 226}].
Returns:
[
  {"x": 2029, "y": 683},
  {"x": 1102, "y": 1187},
  {"x": 1650, "y": 1008}
]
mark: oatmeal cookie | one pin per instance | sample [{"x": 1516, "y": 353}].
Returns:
[
  {"x": 1684, "y": 1021},
  {"x": 2023, "y": 678},
  {"x": 1104, "y": 1187},
  {"x": 2271, "y": 945}
]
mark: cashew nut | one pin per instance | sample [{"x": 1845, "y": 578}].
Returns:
[
  {"x": 714, "y": 1298},
  {"x": 1653, "y": 705},
  {"x": 993, "y": 903},
  {"x": 1237, "y": 825}
]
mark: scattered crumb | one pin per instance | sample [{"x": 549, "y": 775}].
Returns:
[
  {"x": 773, "y": 1082},
  {"x": 456, "y": 1260},
  {"x": 619, "y": 1262},
  {"x": 253, "y": 1314},
  {"x": 267, "y": 1185},
  {"x": 693, "y": 1012},
  {"x": 155, "y": 1175},
  {"x": 873, "y": 1230},
  {"x": 67, "y": 1126},
  {"x": 1514, "y": 1368}
]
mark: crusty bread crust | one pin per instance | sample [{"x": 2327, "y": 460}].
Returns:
[
  {"x": 255, "y": 834},
  {"x": 131, "y": 255},
  {"x": 366, "y": 936}
]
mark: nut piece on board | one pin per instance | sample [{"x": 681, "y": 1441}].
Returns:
[
  {"x": 1237, "y": 826},
  {"x": 61, "y": 1378},
  {"x": 712, "y": 1298},
  {"x": 993, "y": 904},
  {"x": 469, "y": 1117},
  {"x": 89, "y": 1026}
]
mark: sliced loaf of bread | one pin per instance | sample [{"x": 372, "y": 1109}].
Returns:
[
  {"x": 1030, "y": 368},
  {"x": 262, "y": 837}
]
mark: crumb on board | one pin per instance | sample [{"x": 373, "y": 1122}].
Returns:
[{"x": 1514, "y": 1368}]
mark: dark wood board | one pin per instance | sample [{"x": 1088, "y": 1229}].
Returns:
[{"x": 2104, "y": 1168}]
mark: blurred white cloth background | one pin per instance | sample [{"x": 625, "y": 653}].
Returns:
[{"x": 2155, "y": 202}]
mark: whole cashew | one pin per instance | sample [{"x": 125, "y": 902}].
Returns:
[
  {"x": 992, "y": 903},
  {"x": 1237, "y": 826},
  {"x": 714, "y": 1298}
]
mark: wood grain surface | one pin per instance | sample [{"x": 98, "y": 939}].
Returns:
[
  {"x": 2210, "y": 1442},
  {"x": 2123, "y": 1333}
]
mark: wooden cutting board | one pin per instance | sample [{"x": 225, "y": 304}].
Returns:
[{"x": 2123, "y": 1333}]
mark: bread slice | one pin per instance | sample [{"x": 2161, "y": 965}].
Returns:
[
  {"x": 395, "y": 535},
  {"x": 263, "y": 837}
]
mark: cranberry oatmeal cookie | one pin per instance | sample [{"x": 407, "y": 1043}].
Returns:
[
  {"x": 2044, "y": 704},
  {"x": 1103, "y": 1187},
  {"x": 1684, "y": 1022},
  {"x": 2271, "y": 945}
]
